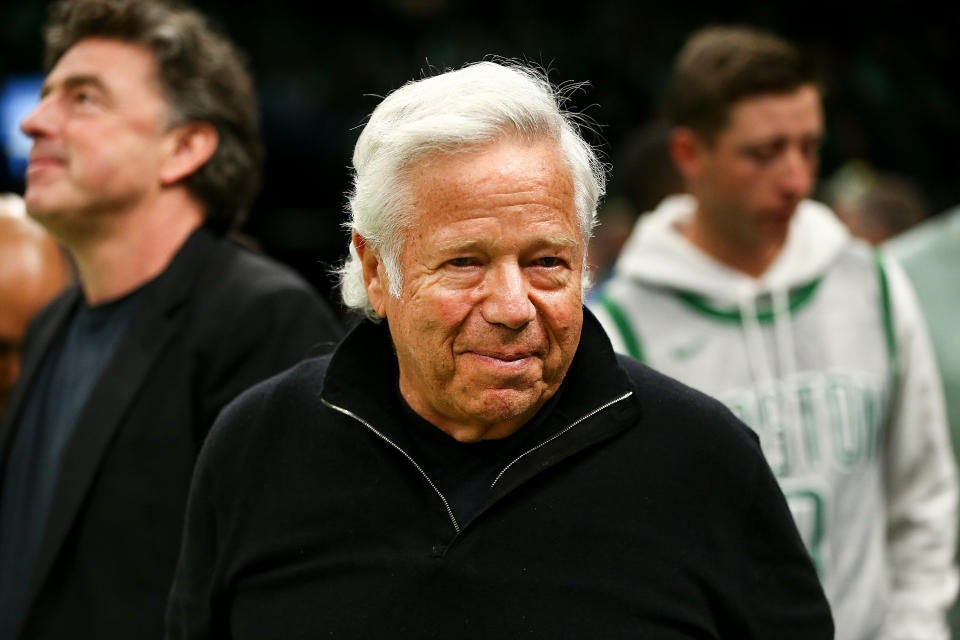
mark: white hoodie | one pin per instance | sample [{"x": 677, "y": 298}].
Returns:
[{"x": 826, "y": 356}]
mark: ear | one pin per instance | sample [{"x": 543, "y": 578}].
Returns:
[
  {"x": 687, "y": 149},
  {"x": 374, "y": 274},
  {"x": 188, "y": 147}
]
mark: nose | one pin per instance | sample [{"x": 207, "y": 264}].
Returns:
[
  {"x": 796, "y": 180},
  {"x": 507, "y": 300},
  {"x": 38, "y": 122}
]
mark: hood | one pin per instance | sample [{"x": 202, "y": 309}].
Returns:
[{"x": 656, "y": 253}]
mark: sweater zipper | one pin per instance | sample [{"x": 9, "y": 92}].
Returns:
[
  {"x": 446, "y": 504},
  {"x": 560, "y": 433}
]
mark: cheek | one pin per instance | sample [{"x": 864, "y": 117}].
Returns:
[
  {"x": 95, "y": 165},
  {"x": 570, "y": 335},
  {"x": 740, "y": 181},
  {"x": 430, "y": 320},
  {"x": 766, "y": 179},
  {"x": 564, "y": 320},
  {"x": 737, "y": 193},
  {"x": 438, "y": 309},
  {"x": 128, "y": 158}
]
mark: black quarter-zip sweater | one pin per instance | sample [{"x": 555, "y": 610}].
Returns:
[{"x": 647, "y": 511}]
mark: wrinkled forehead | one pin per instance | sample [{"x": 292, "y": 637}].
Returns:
[
  {"x": 125, "y": 74},
  {"x": 509, "y": 176},
  {"x": 509, "y": 167},
  {"x": 99, "y": 55}
]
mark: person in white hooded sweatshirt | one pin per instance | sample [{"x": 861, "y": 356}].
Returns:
[{"x": 750, "y": 292}]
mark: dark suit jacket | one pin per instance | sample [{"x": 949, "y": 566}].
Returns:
[{"x": 218, "y": 319}]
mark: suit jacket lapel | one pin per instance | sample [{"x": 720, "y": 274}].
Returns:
[
  {"x": 47, "y": 329},
  {"x": 153, "y": 325}
]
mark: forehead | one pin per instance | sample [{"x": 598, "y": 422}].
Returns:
[
  {"x": 121, "y": 67},
  {"x": 795, "y": 114},
  {"x": 508, "y": 177}
]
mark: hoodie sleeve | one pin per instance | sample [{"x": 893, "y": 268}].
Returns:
[{"x": 921, "y": 480}]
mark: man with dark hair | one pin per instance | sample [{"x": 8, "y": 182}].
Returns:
[
  {"x": 750, "y": 292},
  {"x": 473, "y": 461},
  {"x": 145, "y": 149}
]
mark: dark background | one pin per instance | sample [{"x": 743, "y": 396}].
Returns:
[{"x": 890, "y": 70}]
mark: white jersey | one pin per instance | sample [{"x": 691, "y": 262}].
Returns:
[{"x": 826, "y": 357}]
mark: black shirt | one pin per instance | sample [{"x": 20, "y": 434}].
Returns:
[
  {"x": 650, "y": 513},
  {"x": 465, "y": 471},
  {"x": 42, "y": 432}
]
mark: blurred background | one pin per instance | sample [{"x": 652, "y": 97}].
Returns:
[{"x": 890, "y": 71}]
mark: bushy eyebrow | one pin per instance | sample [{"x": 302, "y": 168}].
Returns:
[{"x": 72, "y": 82}]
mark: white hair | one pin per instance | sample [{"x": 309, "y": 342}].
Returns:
[{"x": 449, "y": 113}]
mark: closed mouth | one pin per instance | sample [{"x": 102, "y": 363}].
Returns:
[
  {"x": 506, "y": 357},
  {"x": 44, "y": 161}
]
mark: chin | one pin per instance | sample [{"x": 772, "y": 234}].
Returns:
[
  {"x": 40, "y": 205},
  {"x": 776, "y": 228},
  {"x": 498, "y": 406},
  {"x": 38, "y": 210}
]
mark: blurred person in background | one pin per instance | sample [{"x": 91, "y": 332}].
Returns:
[
  {"x": 145, "y": 152},
  {"x": 752, "y": 293},
  {"x": 930, "y": 254},
  {"x": 873, "y": 205},
  {"x": 33, "y": 270},
  {"x": 643, "y": 174}
]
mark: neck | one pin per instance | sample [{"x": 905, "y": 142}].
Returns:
[
  {"x": 135, "y": 249},
  {"x": 753, "y": 259}
]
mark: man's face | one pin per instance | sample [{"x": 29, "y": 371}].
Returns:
[
  {"x": 749, "y": 181},
  {"x": 98, "y": 134},
  {"x": 490, "y": 312}
]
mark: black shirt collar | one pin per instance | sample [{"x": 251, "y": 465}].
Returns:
[{"x": 362, "y": 376}]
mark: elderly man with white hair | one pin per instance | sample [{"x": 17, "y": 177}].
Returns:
[{"x": 473, "y": 461}]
